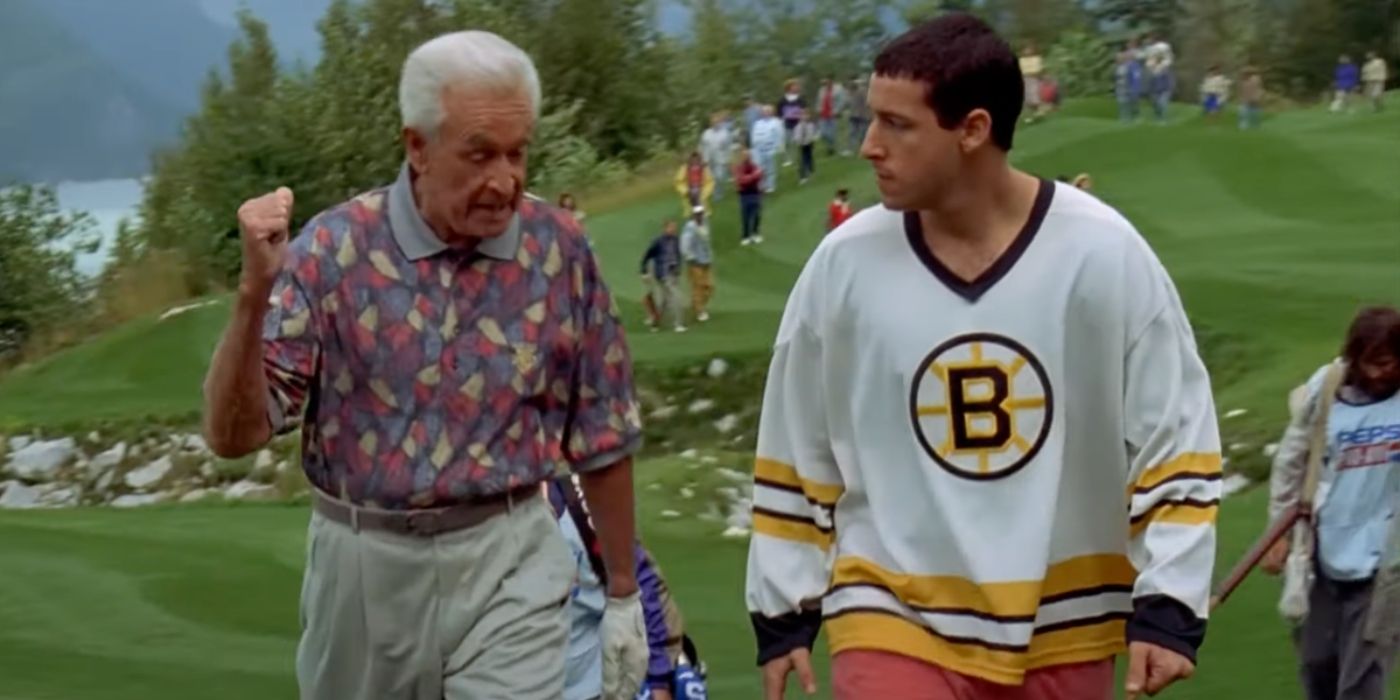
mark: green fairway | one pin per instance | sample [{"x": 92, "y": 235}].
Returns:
[{"x": 1273, "y": 237}]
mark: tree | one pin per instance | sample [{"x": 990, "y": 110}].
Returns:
[
  {"x": 1141, "y": 16},
  {"x": 39, "y": 283}
]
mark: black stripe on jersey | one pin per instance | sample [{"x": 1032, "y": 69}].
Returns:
[
  {"x": 1086, "y": 593},
  {"x": 961, "y": 612},
  {"x": 1083, "y": 622},
  {"x": 760, "y": 510},
  {"x": 970, "y": 641},
  {"x": 760, "y": 481},
  {"x": 1190, "y": 502},
  {"x": 1198, "y": 476}
]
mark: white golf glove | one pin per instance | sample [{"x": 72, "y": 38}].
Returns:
[{"x": 625, "y": 651}]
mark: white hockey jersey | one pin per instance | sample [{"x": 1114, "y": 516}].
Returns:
[{"x": 988, "y": 475}]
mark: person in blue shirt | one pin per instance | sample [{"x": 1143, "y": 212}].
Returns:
[
  {"x": 1127, "y": 82},
  {"x": 1355, "y": 509},
  {"x": 661, "y": 273},
  {"x": 1346, "y": 82}
]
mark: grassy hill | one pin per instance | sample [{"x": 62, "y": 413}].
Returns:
[{"x": 1273, "y": 237}]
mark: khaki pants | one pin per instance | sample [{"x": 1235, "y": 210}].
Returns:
[
  {"x": 477, "y": 613},
  {"x": 702, "y": 287}
]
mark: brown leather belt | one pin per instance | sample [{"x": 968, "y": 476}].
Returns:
[{"x": 424, "y": 522}]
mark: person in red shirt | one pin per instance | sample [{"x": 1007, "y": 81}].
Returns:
[
  {"x": 839, "y": 210},
  {"x": 748, "y": 177}
]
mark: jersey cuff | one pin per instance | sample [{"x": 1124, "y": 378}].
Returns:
[
  {"x": 778, "y": 636},
  {"x": 1167, "y": 623}
]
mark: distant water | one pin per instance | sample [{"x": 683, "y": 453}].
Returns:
[{"x": 107, "y": 201}]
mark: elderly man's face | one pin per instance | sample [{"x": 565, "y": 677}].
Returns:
[{"x": 470, "y": 176}]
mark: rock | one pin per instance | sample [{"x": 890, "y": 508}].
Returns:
[
  {"x": 700, "y": 406},
  {"x": 717, "y": 368},
  {"x": 1239, "y": 446},
  {"x": 40, "y": 460},
  {"x": 734, "y": 533},
  {"x": 670, "y": 514},
  {"x": 94, "y": 437},
  {"x": 195, "y": 444},
  {"x": 207, "y": 471},
  {"x": 107, "y": 459},
  {"x": 727, "y": 424},
  {"x": 738, "y": 439},
  {"x": 134, "y": 452},
  {"x": 710, "y": 459},
  {"x": 729, "y": 493},
  {"x": 137, "y": 500},
  {"x": 1235, "y": 413},
  {"x": 250, "y": 491},
  {"x": 177, "y": 310},
  {"x": 691, "y": 453},
  {"x": 61, "y": 497},
  {"x": 283, "y": 466},
  {"x": 264, "y": 461},
  {"x": 1233, "y": 484},
  {"x": 687, "y": 493},
  {"x": 1270, "y": 450},
  {"x": 664, "y": 412},
  {"x": 20, "y": 442},
  {"x": 740, "y": 518},
  {"x": 653, "y": 487},
  {"x": 195, "y": 495},
  {"x": 15, "y": 495},
  {"x": 734, "y": 475},
  {"x": 145, "y": 477},
  {"x": 104, "y": 482}
]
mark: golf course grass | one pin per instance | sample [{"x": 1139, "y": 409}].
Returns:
[{"x": 1274, "y": 238}]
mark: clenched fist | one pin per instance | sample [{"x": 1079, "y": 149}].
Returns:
[
  {"x": 265, "y": 224},
  {"x": 1152, "y": 668}
]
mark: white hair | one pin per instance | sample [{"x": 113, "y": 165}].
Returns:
[{"x": 472, "y": 59}]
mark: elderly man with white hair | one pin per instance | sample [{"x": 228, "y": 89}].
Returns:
[{"x": 446, "y": 343}]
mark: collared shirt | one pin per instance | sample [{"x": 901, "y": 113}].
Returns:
[{"x": 429, "y": 375}]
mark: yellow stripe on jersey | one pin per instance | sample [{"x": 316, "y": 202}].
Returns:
[
  {"x": 785, "y": 475},
  {"x": 1013, "y": 601},
  {"x": 791, "y": 528},
  {"x": 1205, "y": 465},
  {"x": 1180, "y": 512},
  {"x": 883, "y": 631}
]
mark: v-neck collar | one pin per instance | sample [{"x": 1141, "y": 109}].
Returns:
[{"x": 974, "y": 289}]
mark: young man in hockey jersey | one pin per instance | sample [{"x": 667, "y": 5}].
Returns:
[{"x": 988, "y": 460}]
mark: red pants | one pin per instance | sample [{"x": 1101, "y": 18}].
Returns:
[{"x": 865, "y": 675}]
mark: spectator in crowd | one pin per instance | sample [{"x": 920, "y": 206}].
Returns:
[
  {"x": 1374, "y": 75},
  {"x": 767, "y": 142},
  {"x": 832, "y": 102},
  {"x": 1251, "y": 98},
  {"x": 748, "y": 178},
  {"x": 839, "y": 210},
  {"x": 694, "y": 184},
  {"x": 789, "y": 109},
  {"x": 668, "y": 672},
  {"x": 661, "y": 271},
  {"x": 1032, "y": 66},
  {"x": 859, "y": 116},
  {"x": 569, "y": 204},
  {"x": 806, "y": 137},
  {"x": 1159, "y": 59},
  {"x": 1215, "y": 91},
  {"x": 699, "y": 260},
  {"x": 716, "y": 145},
  {"x": 1127, "y": 82},
  {"x": 1346, "y": 82},
  {"x": 752, "y": 114},
  {"x": 1049, "y": 93},
  {"x": 1353, "y": 406}
]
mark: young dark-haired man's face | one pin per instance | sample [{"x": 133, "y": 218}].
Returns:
[
  {"x": 914, "y": 157},
  {"x": 1378, "y": 372}
]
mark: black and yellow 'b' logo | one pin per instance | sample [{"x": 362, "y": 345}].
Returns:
[{"x": 976, "y": 410}]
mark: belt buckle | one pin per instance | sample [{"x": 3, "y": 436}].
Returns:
[{"x": 423, "y": 524}]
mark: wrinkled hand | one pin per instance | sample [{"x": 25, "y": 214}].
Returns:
[
  {"x": 775, "y": 674},
  {"x": 1276, "y": 557},
  {"x": 625, "y": 649},
  {"x": 265, "y": 226},
  {"x": 1152, "y": 668}
]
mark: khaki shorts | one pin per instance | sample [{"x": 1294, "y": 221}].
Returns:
[{"x": 477, "y": 613}]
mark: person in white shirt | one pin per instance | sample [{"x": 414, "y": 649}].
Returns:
[
  {"x": 768, "y": 139},
  {"x": 988, "y": 459},
  {"x": 1373, "y": 76},
  {"x": 1159, "y": 58},
  {"x": 716, "y": 146}
]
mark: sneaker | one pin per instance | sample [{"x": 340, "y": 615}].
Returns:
[
  {"x": 680, "y": 329},
  {"x": 746, "y": 241},
  {"x": 703, "y": 317},
  {"x": 757, "y": 239}
]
